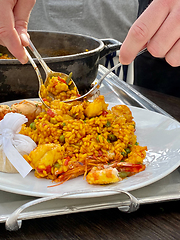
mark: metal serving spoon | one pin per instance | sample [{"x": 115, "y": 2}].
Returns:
[
  {"x": 49, "y": 73},
  {"x": 38, "y": 75}
]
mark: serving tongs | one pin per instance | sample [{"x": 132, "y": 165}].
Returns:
[{"x": 49, "y": 73}]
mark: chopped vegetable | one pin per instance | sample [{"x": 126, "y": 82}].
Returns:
[
  {"x": 50, "y": 113},
  {"x": 108, "y": 124},
  {"x": 62, "y": 139},
  {"x": 112, "y": 137},
  {"x": 33, "y": 126}
]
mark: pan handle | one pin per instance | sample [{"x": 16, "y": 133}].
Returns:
[{"x": 110, "y": 45}]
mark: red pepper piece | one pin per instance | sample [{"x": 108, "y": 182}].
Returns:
[
  {"x": 66, "y": 161},
  {"x": 48, "y": 169},
  {"x": 61, "y": 79},
  {"x": 50, "y": 113},
  {"x": 45, "y": 100},
  {"x": 104, "y": 113}
]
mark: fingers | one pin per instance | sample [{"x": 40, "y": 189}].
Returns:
[
  {"x": 145, "y": 27},
  {"x": 167, "y": 36},
  {"x": 13, "y": 42},
  {"x": 22, "y": 12},
  {"x": 13, "y": 15},
  {"x": 173, "y": 56},
  {"x": 8, "y": 34}
]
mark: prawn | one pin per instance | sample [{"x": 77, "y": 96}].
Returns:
[{"x": 115, "y": 172}]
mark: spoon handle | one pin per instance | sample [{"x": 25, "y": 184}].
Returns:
[
  {"x": 35, "y": 67},
  {"x": 39, "y": 58},
  {"x": 116, "y": 66},
  {"x": 38, "y": 75}
]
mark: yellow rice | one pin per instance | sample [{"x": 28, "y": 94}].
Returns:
[{"x": 77, "y": 142}]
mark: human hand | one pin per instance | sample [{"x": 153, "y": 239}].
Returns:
[
  {"x": 14, "y": 17},
  {"x": 158, "y": 28}
]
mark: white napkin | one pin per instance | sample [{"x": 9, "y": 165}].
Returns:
[{"x": 14, "y": 143}]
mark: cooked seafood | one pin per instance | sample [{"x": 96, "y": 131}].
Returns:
[
  {"x": 4, "y": 109},
  {"x": 102, "y": 175},
  {"x": 30, "y": 109},
  {"x": 81, "y": 138}
]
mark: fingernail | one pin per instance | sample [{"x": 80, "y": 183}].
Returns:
[
  {"x": 24, "y": 39},
  {"x": 24, "y": 60}
]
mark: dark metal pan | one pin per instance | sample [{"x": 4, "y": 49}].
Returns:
[{"x": 63, "y": 52}]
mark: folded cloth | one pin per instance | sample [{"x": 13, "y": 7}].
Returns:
[{"x": 14, "y": 145}]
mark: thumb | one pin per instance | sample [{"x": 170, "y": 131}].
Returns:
[{"x": 24, "y": 38}]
